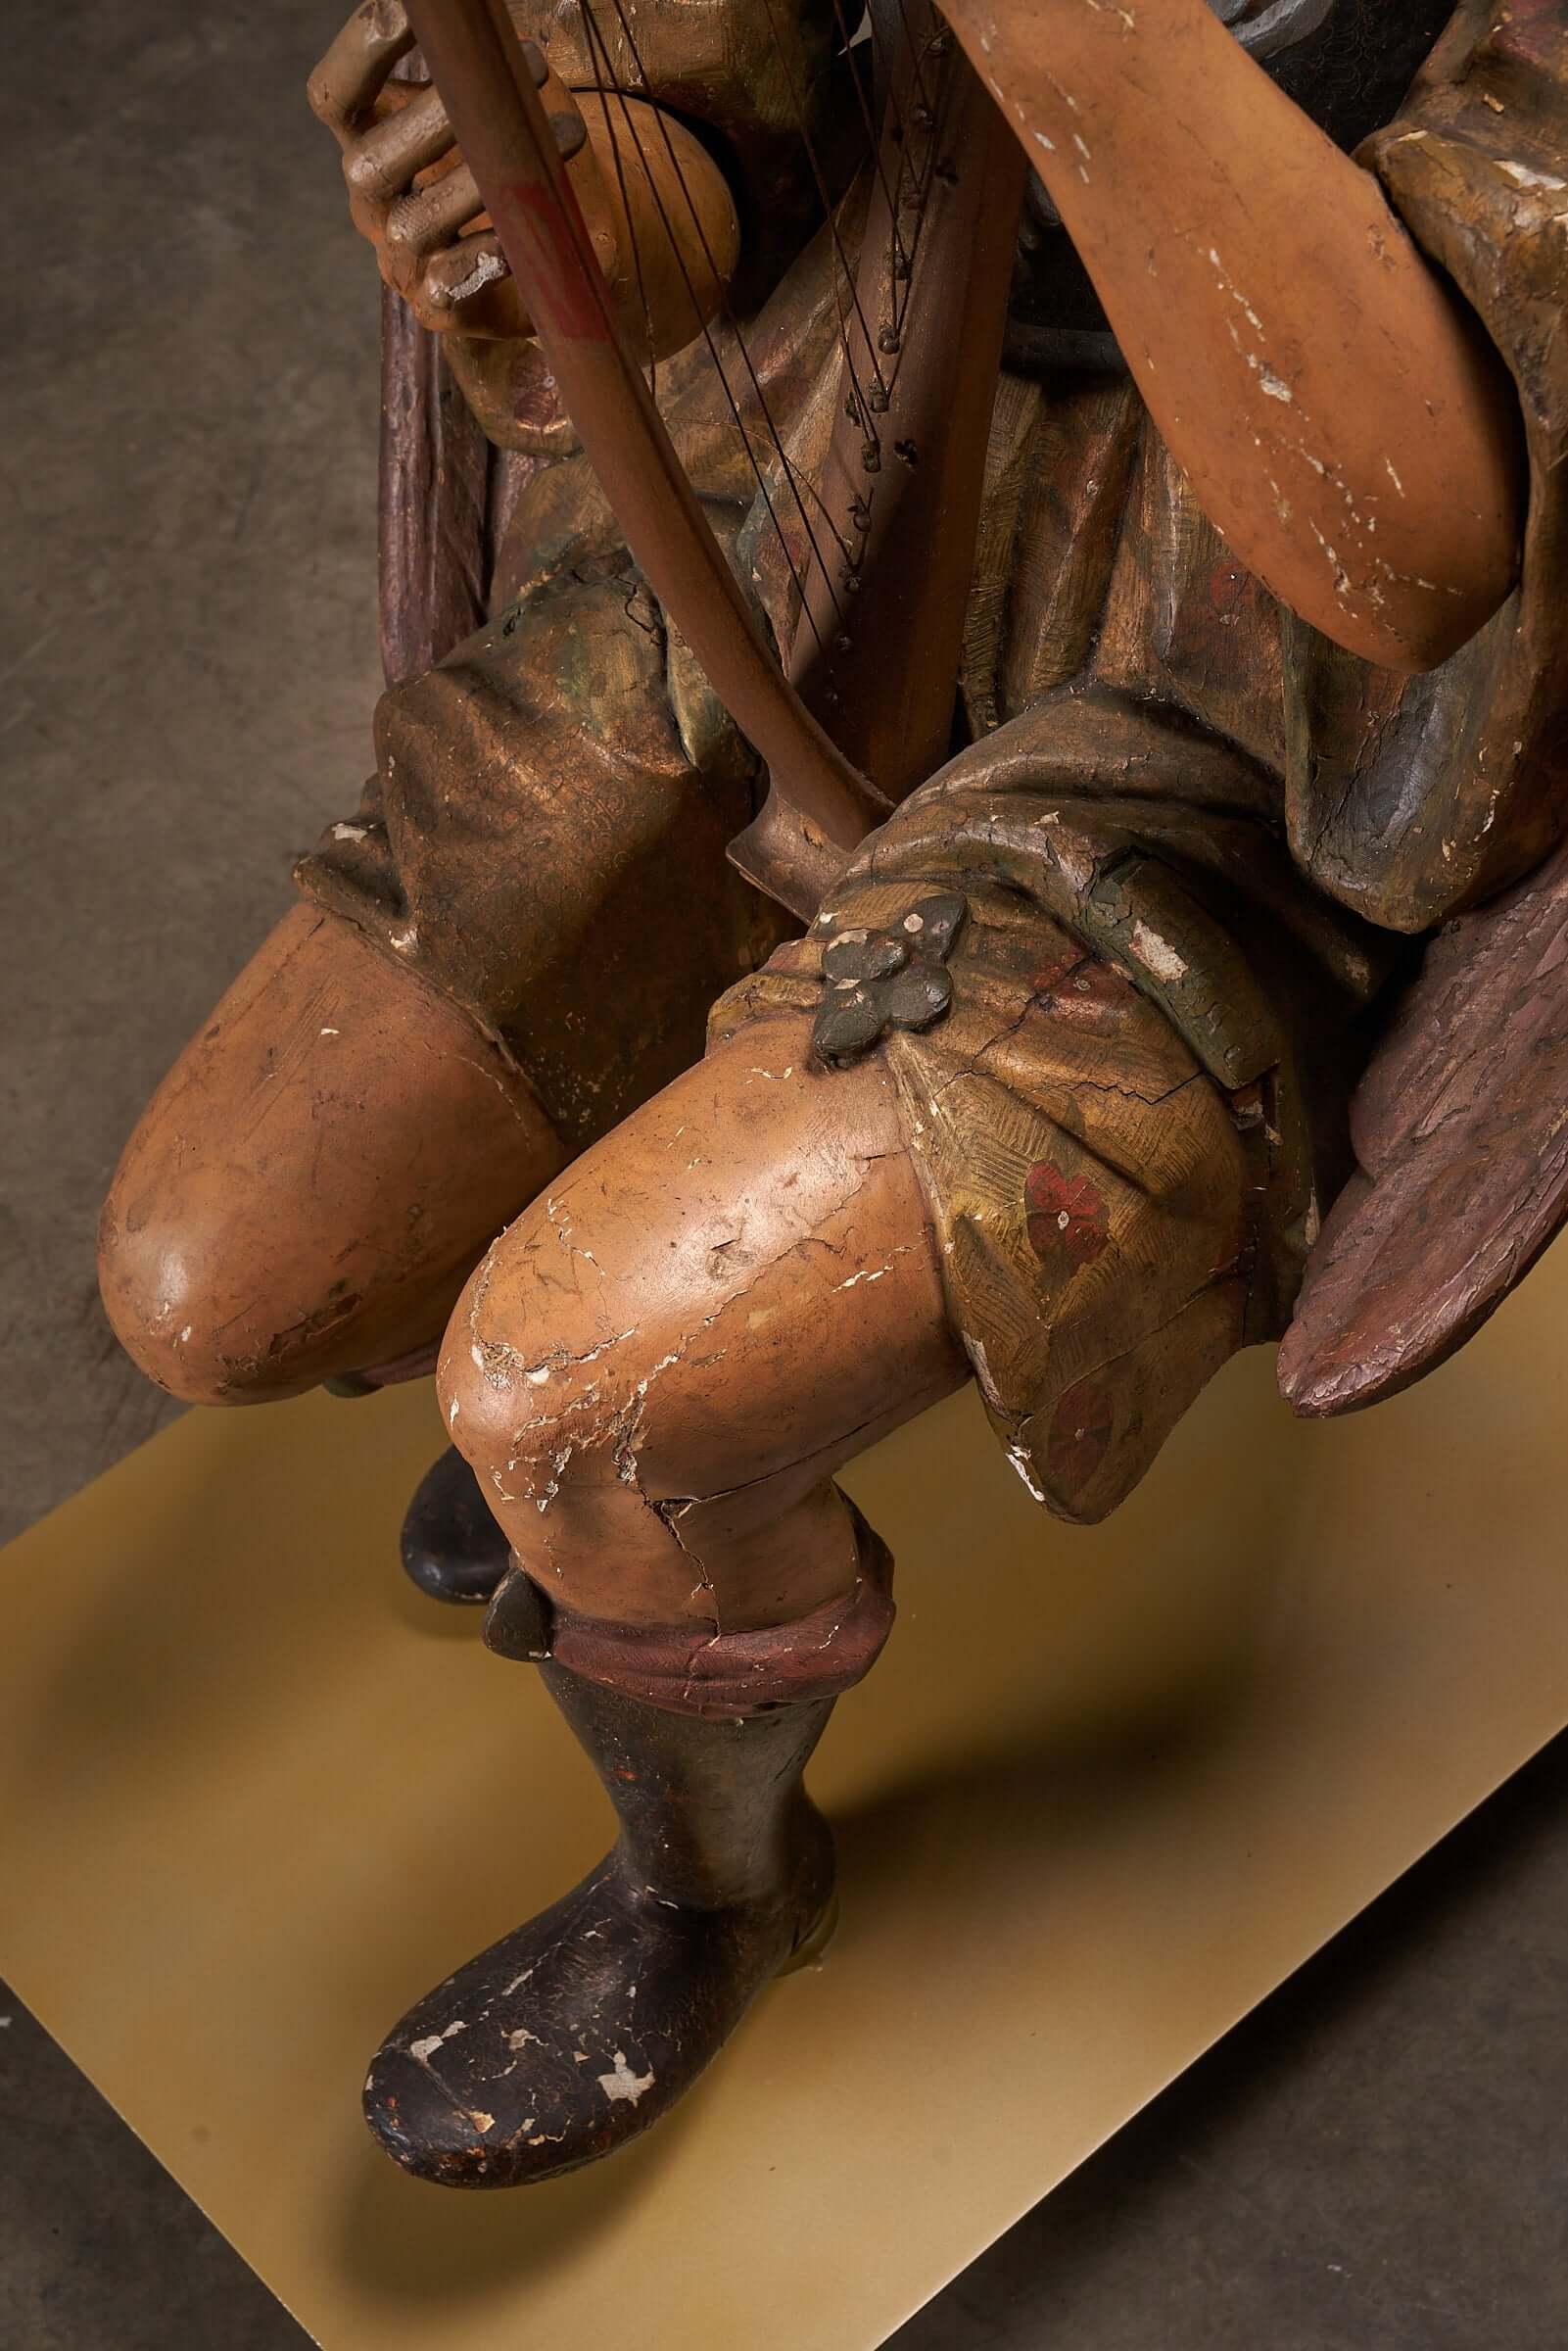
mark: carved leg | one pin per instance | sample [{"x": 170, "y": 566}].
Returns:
[
  {"x": 311, "y": 1185},
  {"x": 308, "y": 1189},
  {"x": 538, "y": 860},
  {"x": 656, "y": 1371}
]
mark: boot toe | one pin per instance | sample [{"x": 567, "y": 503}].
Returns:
[
  {"x": 568, "y": 2039},
  {"x": 560, "y": 2044},
  {"x": 451, "y": 1545},
  {"x": 422, "y": 2126},
  {"x": 546, "y": 2116}
]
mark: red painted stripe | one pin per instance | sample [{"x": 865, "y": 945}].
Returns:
[{"x": 557, "y": 291}]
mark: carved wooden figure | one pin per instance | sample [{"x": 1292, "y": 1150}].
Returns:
[{"x": 1019, "y": 560}]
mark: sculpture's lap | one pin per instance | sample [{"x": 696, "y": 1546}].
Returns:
[
  {"x": 543, "y": 843},
  {"x": 514, "y": 942},
  {"x": 1091, "y": 1186}
]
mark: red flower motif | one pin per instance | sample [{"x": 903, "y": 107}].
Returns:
[
  {"x": 1069, "y": 1222},
  {"x": 1082, "y": 1429}
]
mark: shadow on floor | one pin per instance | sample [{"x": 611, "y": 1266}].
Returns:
[{"x": 1372, "y": 2162}]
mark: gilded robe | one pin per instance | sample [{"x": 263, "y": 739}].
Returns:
[{"x": 1193, "y": 839}]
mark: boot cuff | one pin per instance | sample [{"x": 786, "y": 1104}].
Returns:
[{"x": 730, "y": 1676}]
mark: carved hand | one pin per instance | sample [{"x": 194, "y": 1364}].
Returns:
[
  {"x": 408, "y": 193},
  {"x": 657, "y": 205}
]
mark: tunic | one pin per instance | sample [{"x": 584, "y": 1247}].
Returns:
[{"x": 1193, "y": 840}]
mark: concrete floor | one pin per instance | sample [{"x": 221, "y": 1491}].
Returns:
[{"x": 1374, "y": 2163}]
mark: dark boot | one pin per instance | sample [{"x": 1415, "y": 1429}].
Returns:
[
  {"x": 451, "y": 1546},
  {"x": 570, "y": 2036}
]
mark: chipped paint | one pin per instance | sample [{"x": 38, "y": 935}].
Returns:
[
  {"x": 1156, "y": 955},
  {"x": 623, "y": 2083}
]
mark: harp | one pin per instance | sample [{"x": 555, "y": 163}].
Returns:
[{"x": 858, "y": 708}]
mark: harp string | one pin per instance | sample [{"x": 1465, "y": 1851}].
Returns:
[
  {"x": 798, "y": 483},
  {"x": 909, "y": 104},
  {"x": 628, "y": 212},
  {"x": 912, "y": 50},
  {"x": 887, "y": 81},
  {"x": 929, "y": 119},
  {"x": 916, "y": 136},
  {"x": 842, "y": 259},
  {"x": 635, "y": 136}
]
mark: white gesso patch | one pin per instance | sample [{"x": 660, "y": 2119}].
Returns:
[
  {"x": 1021, "y": 1463},
  {"x": 1157, "y": 954},
  {"x": 982, "y": 1373},
  {"x": 487, "y": 267},
  {"x": 428, "y": 2048},
  {"x": 623, "y": 2082}
]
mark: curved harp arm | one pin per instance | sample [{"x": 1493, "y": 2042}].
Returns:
[{"x": 474, "y": 57}]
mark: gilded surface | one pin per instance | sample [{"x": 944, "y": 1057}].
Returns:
[{"x": 1230, "y": 815}]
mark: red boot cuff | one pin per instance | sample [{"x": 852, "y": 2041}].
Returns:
[{"x": 733, "y": 1675}]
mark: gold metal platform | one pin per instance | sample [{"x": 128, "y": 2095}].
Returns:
[{"x": 1103, "y": 1792}]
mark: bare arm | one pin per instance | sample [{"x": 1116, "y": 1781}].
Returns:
[{"x": 1340, "y": 416}]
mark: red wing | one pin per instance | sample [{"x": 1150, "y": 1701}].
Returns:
[{"x": 1461, "y": 1131}]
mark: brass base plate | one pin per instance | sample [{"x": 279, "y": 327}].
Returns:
[{"x": 1103, "y": 1794}]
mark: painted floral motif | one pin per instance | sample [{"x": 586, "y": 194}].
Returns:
[
  {"x": 1069, "y": 1222},
  {"x": 1082, "y": 1428}
]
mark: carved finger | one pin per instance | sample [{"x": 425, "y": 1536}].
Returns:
[
  {"x": 380, "y": 164},
  {"x": 457, "y": 275},
  {"x": 430, "y": 217},
  {"x": 470, "y": 288},
  {"x": 347, "y": 82}
]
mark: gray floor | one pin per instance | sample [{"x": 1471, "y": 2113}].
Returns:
[{"x": 1374, "y": 2163}]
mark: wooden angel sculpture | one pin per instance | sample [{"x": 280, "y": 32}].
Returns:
[{"x": 1125, "y": 633}]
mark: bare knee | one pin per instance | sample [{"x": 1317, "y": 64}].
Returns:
[
  {"x": 539, "y": 1409},
  {"x": 208, "y": 1290},
  {"x": 654, "y": 1372},
  {"x": 170, "y": 1319},
  {"x": 311, "y": 1185}
]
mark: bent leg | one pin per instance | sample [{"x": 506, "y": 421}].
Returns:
[
  {"x": 657, "y": 1369},
  {"x": 655, "y": 1373},
  {"x": 540, "y": 858},
  {"x": 311, "y": 1184}
]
